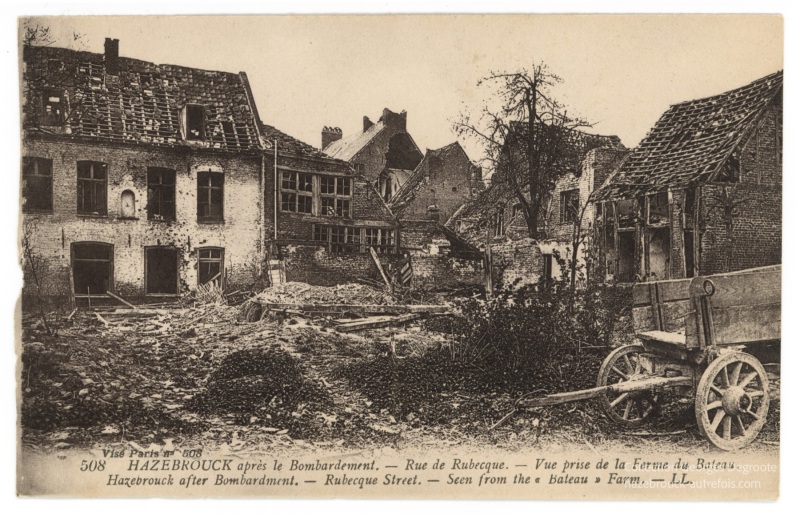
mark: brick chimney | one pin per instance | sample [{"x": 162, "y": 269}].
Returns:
[
  {"x": 112, "y": 56},
  {"x": 367, "y": 123},
  {"x": 329, "y": 135},
  {"x": 395, "y": 120}
]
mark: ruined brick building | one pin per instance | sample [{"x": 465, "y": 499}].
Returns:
[
  {"x": 495, "y": 219},
  {"x": 327, "y": 216},
  {"x": 701, "y": 193},
  {"x": 384, "y": 152},
  {"x": 146, "y": 180}
]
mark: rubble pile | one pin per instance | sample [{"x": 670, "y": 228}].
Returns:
[
  {"x": 266, "y": 387},
  {"x": 302, "y": 293}
]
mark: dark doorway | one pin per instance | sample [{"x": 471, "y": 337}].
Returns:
[
  {"x": 92, "y": 268},
  {"x": 161, "y": 271},
  {"x": 626, "y": 257}
]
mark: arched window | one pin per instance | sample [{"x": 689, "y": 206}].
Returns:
[{"x": 127, "y": 204}]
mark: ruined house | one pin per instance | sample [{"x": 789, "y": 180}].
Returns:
[
  {"x": 130, "y": 172},
  {"x": 442, "y": 182},
  {"x": 326, "y": 216},
  {"x": 495, "y": 219},
  {"x": 701, "y": 193},
  {"x": 146, "y": 180},
  {"x": 384, "y": 152}
]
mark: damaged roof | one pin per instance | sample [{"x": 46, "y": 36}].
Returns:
[
  {"x": 407, "y": 191},
  {"x": 347, "y": 147},
  {"x": 692, "y": 140},
  {"x": 142, "y": 102},
  {"x": 291, "y": 145}
]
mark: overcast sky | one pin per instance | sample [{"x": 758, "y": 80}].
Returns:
[{"x": 620, "y": 72}]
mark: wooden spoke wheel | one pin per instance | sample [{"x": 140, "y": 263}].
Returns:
[
  {"x": 732, "y": 400},
  {"x": 629, "y": 408}
]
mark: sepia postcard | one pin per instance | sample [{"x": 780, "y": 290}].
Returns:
[{"x": 400, "y": 256}]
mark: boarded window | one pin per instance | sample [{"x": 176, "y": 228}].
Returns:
[
  {"x": 92, "y": 268},
  {"x": 570, "y": 205},
  {"x": 210, "y": 265},
  {"x": 297, "y": 192},
  {"x": 161, "y": 271},
  {"x": 92, "y": 188},
  {"x": 210, "y": 196},
  {"x": 52, "y": 107},
  {"x": 195, "y": 122},
  {"x": 37, "y": 184},
  {"x": 160, "y": 194}
]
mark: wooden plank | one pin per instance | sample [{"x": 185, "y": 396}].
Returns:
[
  {"x": 380, "y": 267},
  {"x": 669, "y": 291},
  {"x": 750, "y": 289},
  {"x": 664, "y": 336},
  {"x": 655, "y": 306},
  {"x": 674, "y": 315},
  {"x": 358, "y": 308},
  {"x": 377, "y": 322},
  {"x": 745, "y": 324},
  {"x": 120, "y": 299}
]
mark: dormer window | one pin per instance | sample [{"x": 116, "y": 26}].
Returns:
[
  {"x": 194, "y": 122},
  {"x": 52, "y": 107}
]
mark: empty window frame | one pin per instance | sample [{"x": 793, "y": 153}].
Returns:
[
  {"x": 92, "y": 268},
  {"x": 335, "y": 194},
  {"x": 297, "y": 192},
  {"x": 658, "y": 208},
  {"x": 92, "y": 188},
  {"x": 499, "y": 222},
  {"x": 345, "y": 240},
  {"x": 382, "y": 240},
  {"x": 160, "y": 194},
  {"x": 53, "y": 108},
  {"x": 161, "y": 271},
  {"x": 210, "y": 196},
  {"x": 570, "y": 206},
  {"x": 195, "y": 121},
  {"x": 37, "y": 184},
  {"x": 210, "y": 265}
]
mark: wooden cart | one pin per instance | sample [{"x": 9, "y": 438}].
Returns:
[{"x": 699, "y": 337}]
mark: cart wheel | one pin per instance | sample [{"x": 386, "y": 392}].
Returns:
[
  {"x": 630, "y": 408},
  {"x": 732, "y": 400}
]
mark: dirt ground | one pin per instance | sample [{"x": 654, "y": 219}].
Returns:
[{"x": 198, "y": 375}]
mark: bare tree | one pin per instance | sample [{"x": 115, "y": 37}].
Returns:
[{"x": 530, "y": 139}]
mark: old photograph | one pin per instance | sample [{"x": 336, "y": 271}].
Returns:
[{"x": 400, "y": 256}]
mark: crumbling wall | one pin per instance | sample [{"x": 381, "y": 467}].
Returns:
[
  {"x": 448, "y": 183},
  {"x": 51, "y": 234},
  {"x": 432, "y": 263},
  {"x": 754, "y": 205},
  {"x": 314, "y": 264},
  {"x": 517, "y": 262}
]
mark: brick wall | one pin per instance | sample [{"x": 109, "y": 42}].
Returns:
[
  {"x": 315, "y": 265},
  {"x": 433, "y": 266},
  {"x": 517, "y": 262},
  {"x": 52, "y": 234},
  {"x": 449, "y": 183},
  {"x": 758, "y": 197}
]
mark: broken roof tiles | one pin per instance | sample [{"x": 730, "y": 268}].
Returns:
[
  {"x": 143, "y": 101},
  {"x": 692, "y": 140}
]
